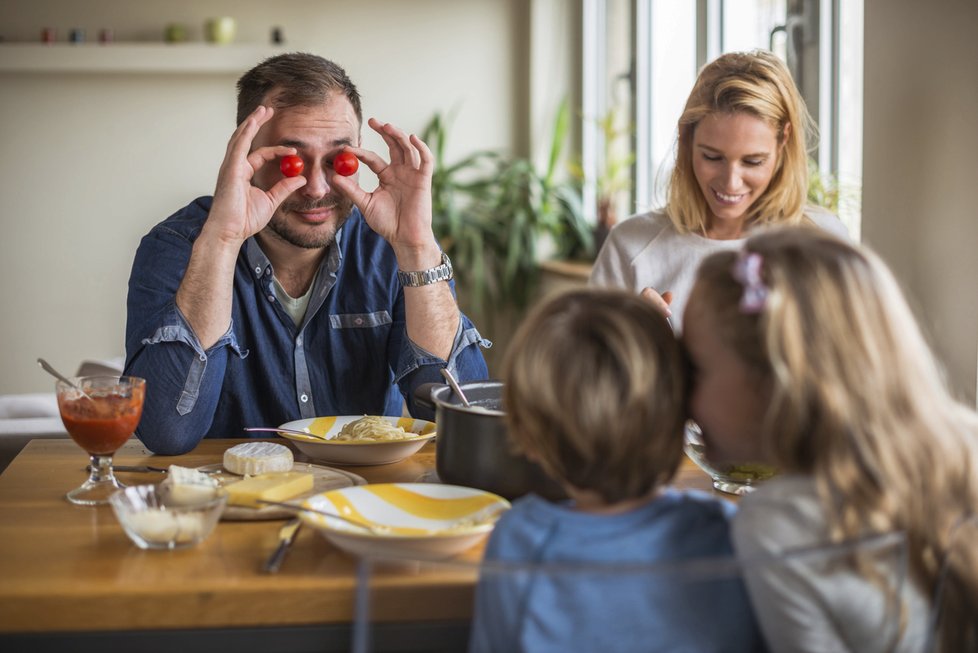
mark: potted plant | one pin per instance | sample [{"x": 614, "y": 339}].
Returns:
[{"x": 490, "y": 212}]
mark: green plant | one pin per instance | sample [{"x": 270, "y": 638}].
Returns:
[
  {"x": 490, "y": 211},
  {"x": 823, "y": 189}
]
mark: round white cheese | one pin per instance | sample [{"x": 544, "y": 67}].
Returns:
[{"x": 253, "y": 458}]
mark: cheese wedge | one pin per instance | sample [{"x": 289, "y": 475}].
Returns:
[
  {"x": 257, "y": 458},
  {"x": 268, "y": 487},
  {"x": 186, "y": 487}
]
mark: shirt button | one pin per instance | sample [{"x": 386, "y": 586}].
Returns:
[
  {"x": 298, "y": 341},
  {"x": 202, "y": 357},
  {"x": 258, "y": 270},
  {"x": 359, "y": 320},
  {"x": 271, "y": 298},
  {"x": 303, "y": 398}
]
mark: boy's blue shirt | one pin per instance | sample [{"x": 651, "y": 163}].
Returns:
[{"x": 636, "y": 607}]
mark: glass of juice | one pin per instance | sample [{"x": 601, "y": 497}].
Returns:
[{"x": 100, "y": 413}]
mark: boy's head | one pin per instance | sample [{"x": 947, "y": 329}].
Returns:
[{"x": 594, "y": 392}]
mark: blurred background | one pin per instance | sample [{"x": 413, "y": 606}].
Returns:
[{"x": 103, "y": 140}]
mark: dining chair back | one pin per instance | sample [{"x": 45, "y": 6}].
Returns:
[{"x": 697, "y": 604}]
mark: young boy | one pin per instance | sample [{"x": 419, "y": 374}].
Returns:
[{"x": 594, "y": 393}]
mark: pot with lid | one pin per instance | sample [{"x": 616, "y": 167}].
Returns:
[{"x": 471, "y": 447}]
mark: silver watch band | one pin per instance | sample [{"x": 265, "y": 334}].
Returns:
[{"x": 443, "y": 272}]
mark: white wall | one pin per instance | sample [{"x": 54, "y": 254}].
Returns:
[
  {"x": 91, "y": 161},
  {"x": 921, "y": 165}
]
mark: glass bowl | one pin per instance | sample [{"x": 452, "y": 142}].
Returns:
[
  {"x": 153, "y": 523},
  {"x": 733, "y": 479}
]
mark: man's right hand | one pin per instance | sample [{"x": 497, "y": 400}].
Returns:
[{"x": 240, "y": 210}]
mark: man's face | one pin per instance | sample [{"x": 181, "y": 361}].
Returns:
[{"x": 311, "y": 216}]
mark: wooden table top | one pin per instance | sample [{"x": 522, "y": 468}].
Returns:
[{"x": 71, "y": 568}]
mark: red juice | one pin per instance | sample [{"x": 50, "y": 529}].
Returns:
[{"x": 103, "y": 425}]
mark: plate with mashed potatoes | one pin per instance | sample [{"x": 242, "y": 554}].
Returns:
[{"x": 359, "y": 439}]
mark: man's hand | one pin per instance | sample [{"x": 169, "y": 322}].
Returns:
[
  {"x": 399, "y": 209},
  {"x": 240, "y": 210}
]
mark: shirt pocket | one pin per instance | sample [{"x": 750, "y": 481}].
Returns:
[{"x": 359, "y": 320}]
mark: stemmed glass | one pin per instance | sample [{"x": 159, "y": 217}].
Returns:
[{"x": 100, "y": 413}]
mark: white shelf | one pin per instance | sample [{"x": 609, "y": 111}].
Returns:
[{"x": 132, "y": 57}]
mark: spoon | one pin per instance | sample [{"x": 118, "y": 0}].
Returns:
[
  {"x": 270, "y": 429},
  {"x": 376, "y": 530},
  {"x": 455, "y": 387},
  {"x": 61, "y": 377}
]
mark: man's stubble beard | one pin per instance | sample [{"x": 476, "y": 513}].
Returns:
[{"x": 323, "y": 236}]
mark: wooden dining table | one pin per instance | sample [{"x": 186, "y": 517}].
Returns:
[{"x": 70, "y": 579}]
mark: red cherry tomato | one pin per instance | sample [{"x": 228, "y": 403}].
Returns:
[
  {"x": 292, "y": 165},
  {"x": 345, "y": 163}
]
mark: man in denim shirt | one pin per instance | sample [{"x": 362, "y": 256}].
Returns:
[{"x": 281, "y": 297}]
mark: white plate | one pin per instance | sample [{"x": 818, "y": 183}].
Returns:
[
  {"x": 411, "y": 520},
  {"x": 352, "y": 452},
  {"x": 323, "y": 479}
]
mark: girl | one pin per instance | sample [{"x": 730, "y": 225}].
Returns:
[
  {"x": 741, "y": 161},
  {"x": 807, "y": 357}
]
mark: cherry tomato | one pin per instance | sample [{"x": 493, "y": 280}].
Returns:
[
  {"x": 345, "y": 163},
  {"x": 292, "y": 165}
]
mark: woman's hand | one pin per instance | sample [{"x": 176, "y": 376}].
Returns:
[
  {"x": 660, "y": 302},
  {"x": 241, "y": 209}
]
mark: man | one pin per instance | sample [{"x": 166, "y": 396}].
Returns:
[{"x": 281, "y": 297}]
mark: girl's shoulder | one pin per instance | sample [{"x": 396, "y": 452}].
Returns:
[{"x": 783, "y": 513}]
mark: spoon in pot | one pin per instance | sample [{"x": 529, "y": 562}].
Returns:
[
  {"x": 455, "y": 387},
  {"x": 61, "y": 377}
]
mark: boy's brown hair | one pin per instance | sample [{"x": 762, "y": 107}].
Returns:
[{"x": 594, "y": 392}]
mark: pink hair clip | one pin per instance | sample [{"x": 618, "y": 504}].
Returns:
[{"x": 747, "y": 270}]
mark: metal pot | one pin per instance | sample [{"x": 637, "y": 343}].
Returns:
[{"x": 471, "y": 448}]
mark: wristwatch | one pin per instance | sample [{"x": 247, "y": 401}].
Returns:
[{"x": 443, "y": 272}]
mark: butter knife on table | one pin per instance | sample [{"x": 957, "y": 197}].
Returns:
[{"x": 286, "y": 536}]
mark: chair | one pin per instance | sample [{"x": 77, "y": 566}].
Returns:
[
  {"x": 963, "y": 534},
  {"x": 567, "y": 606}
]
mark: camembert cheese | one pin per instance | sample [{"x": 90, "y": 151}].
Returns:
[
  {"x": 252, "y": 458},
  {"x": 269, "y": 487}
]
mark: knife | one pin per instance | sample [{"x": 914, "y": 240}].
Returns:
[{"x": 286, "y": 536}]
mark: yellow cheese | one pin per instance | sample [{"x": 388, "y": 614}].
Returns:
[{"x": 269, "y": 487}]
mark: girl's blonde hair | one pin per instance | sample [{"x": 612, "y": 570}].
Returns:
[
  {"x": 859, "y": 402},
  {"x": 759, "y": 84},
  {"x": 594, "y": 388}
]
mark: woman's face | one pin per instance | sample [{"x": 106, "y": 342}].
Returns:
[
  {"x": 734, "y": 158},
  {"x": 727, "y": 398}
]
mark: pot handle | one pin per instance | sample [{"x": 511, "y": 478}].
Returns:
[{"x": 423, "y": 394}]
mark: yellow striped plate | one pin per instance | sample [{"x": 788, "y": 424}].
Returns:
[
  {"x": 318, "y": 444},
  {"x": 424, "y": 520}
]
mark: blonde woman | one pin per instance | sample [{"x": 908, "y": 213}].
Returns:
[
  {"x": 807, "y": 357},
  {"x": 741, "y": 162}
]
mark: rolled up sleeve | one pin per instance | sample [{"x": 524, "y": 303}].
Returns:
[
  {"x": 417, "y": 366},
  {"x": 183, "y": 381}
]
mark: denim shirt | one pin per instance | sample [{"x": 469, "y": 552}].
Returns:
[{"x": 350, "y": 356}]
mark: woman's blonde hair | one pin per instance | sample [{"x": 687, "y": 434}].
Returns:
[
  {"x": 859, "y": 402},
  {"x": 594, "y": 388},
  {"x": 759, "y": 84}
]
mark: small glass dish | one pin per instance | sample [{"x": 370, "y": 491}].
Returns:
[
  {"x": 152, "y": 523},
  {"x": 732, "y": 479}
]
